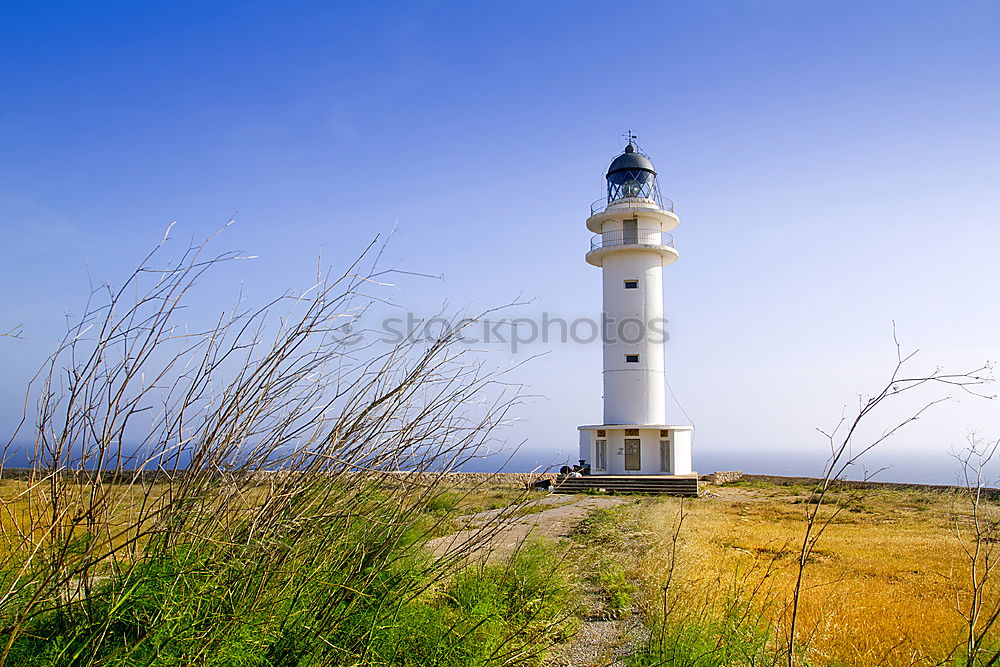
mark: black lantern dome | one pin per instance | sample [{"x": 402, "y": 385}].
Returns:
[{"x": 631, "y": 175}]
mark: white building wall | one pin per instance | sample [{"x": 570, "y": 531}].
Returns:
[
  {"x": 634, "y": 393},
  {"x": 587, "y": 440},
  {"x": 682, "y": 451},
  {"x": 649, "y": 456}
]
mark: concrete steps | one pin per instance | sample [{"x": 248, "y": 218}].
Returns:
[{"x": 686, "y": 485}]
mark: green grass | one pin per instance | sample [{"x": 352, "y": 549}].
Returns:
[
  {"x": 614, "y": 583},
  {"x": 605, "y": 536},
  {"x": 344, "y": 596},
  {"x": 446, "y": 502},
  {"x": 732, "y": 639},
  {"x": 602, "y": 527}
]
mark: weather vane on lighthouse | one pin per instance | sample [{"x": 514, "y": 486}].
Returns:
[{"x": 632, "y": 245}]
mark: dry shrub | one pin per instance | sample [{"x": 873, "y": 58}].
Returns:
[{"x": 231, "y": 494}]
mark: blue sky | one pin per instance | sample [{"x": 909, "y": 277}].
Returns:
[{"x": 834, "y": 166}]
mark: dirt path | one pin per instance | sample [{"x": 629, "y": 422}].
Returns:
[
  {"x": 553, "y": 523},
  {"x": 600, "y": 641}
]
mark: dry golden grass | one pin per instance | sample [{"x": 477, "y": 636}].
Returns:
[
  {"x": 125, "y": 508},
  {"x": 881, "y": 590},
  {"x": 26, "y": 509}
]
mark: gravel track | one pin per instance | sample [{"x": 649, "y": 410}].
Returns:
[{"x": 600, "y": 641}]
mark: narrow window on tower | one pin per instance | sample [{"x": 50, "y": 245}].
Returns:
[
  {"x": 631, "y": 358},
  {"x": 631, "y": 284}
]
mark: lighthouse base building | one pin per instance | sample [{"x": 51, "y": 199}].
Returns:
[
  {"x": 636, "y": 449},
  {"x": 631, "y": 246}
]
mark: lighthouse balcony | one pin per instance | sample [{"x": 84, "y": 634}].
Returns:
[
  {"x": 649, "y": 210},
  {"x": 646, "y": 239},
  {"x": 656, "y": 201}
]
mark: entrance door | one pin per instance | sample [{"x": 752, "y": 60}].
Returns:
[{"x": 632, "y": 461}]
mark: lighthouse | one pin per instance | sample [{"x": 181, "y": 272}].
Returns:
[{"x": 631, "y": 247}]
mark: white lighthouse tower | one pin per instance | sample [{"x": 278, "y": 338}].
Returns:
[{"x": 631, "y": 247}]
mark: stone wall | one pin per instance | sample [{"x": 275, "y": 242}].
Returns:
[
  {"x": 724, "y": 477},
  {"x": 480, "y": 479},
  {"x": 456, "y": 479}
]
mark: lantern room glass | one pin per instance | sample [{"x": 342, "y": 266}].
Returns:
[{"x": 631, "y": 184}]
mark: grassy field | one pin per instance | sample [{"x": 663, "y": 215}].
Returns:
[
  {"x": 341, "y": 577},
  {"x": 882, "y": 588}
]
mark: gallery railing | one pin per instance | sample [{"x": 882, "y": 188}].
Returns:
[{"x": 652, "y": 238}]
